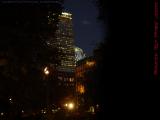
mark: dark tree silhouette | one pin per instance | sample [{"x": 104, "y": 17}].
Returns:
[{"x": 122, "y": 59}]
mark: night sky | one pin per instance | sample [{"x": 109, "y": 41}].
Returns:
[{"x": 87, "y": 28}]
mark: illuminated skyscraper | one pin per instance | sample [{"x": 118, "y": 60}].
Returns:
[
  {"x": 62, "y": 39},
  {"x": 65, "y": 43}
]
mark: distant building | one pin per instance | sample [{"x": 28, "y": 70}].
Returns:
[
  {"x": 65, "y": 71},
  {"x": 79, "y": 54},
  {"x": 84, "y": 80},
  {"x": 64, "y": 41}
]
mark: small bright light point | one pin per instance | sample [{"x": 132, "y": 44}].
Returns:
[
  {"x": 2, "y": 113},
  {"x": 97, "y": 105},
  {"x": 66, "y": 105},
  {"x": 70, "y": 106},
  {"x": 46, "y": 71}
]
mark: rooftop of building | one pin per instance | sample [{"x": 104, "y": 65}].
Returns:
[{"x": 66, "y": 15}]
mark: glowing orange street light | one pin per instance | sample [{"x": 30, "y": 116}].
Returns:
[{"x": 69, "y": 106}]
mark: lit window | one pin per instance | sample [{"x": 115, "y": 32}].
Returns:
[
  {"x": 90, "y": 63},
  {"x": 81, "y": 89}
]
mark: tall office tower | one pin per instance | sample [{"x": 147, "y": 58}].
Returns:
[{"x": 65, "y": 43}]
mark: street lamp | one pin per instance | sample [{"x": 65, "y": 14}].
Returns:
[
  {"x": 10, "y": 100},
  {"x": 70, "y": 106},
  {"x": 46, "y": 71}
]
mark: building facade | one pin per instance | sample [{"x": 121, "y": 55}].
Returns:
[{"x": 85, "y": 81}]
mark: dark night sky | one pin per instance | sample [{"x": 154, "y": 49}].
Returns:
[{"x": 87, "y": 28}]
